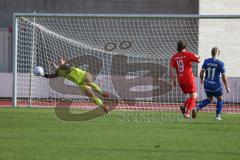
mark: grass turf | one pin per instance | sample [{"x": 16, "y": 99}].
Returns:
[{"x": 31, "y": 133}]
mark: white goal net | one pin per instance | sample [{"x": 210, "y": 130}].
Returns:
[{"x": 128, "y": 55}]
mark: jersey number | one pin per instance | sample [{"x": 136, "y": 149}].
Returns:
[
  {"x": 180, "y": 65},
  {"x": 211, "y": 73}
]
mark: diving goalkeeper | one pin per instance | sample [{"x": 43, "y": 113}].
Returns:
[{"x": 81, "y": 78}]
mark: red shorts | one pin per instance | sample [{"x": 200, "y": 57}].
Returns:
[{"x": 188, "y": 87}]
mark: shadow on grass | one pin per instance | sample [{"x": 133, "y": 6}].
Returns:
[{"x": 62, "y": 111}]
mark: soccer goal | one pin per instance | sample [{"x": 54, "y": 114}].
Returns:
[{"x": 128, "y": 56}]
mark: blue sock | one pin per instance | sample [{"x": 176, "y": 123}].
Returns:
[
  {"x": 203, "y": 103},
  {"x": 219, "y": 107}
]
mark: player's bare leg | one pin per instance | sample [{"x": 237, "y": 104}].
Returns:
[
  {"x": 94, "y": 86},
  {"x": 89, "y": 92}
]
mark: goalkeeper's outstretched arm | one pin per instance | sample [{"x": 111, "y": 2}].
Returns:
[
  {"x": 62, "y": 65},
  {"x": 54, "y": 75}
]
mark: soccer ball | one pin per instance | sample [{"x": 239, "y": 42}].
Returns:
[{"x": 38, "y": 71}]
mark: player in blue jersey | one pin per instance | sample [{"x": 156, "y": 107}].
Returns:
[{"x": 213, "y": 67}]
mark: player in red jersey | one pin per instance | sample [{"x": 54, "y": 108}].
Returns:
[{"x": 181, "y": 64}]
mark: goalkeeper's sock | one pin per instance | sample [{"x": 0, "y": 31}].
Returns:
[
  {"x": 96, "y": 88},
  {"x": 190, "y": 105},
  {"x": 97, "y": 101},
  {"x": 94, "y": 98},
  {"x": 203, "y": 103},
  {"x": 219, "y": 107}
]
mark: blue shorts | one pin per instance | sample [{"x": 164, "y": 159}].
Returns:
[{"x": 214, "y": 94}]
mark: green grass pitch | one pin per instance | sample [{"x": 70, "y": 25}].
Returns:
[{"x": 34, "y": 133}]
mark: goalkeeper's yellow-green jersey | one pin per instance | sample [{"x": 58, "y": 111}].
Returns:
[{"x": 76, "y": 75}]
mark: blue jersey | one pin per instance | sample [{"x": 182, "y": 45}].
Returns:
[{"x": 213, "y": 68}]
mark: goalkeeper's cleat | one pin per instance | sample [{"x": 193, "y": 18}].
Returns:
[
  {"x": 218, "y": 117},
  {"x": 194, "y": 113},
  {"x": 105, "y": 94},
  {"x": 105, "y": 108},
  {"x": 182, "y": 108}
]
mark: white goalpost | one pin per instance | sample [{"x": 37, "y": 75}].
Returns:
[{"x": 128, "y": 56}]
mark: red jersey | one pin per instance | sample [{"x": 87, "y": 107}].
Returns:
[{"x": 182, "y": 61}]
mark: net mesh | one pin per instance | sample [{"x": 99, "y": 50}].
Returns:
[{"x": 127, "y": 56}]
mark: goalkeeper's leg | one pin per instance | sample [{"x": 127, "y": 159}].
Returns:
[
  {"x": 89, "y": 92},
  {"x": 94, "y": 86}
]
